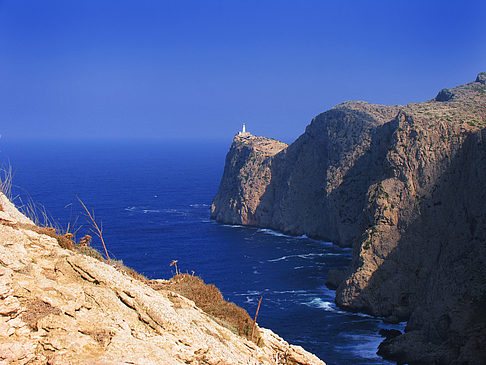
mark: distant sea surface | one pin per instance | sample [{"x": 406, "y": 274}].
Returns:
[{"x": 154, "y": 201}]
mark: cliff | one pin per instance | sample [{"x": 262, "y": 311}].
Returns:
[
  {"x": 403, "y": 185},
  {"x": 58, "y": 306}
]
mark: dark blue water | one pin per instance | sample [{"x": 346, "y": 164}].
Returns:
[{"x": 154, "y": 199}]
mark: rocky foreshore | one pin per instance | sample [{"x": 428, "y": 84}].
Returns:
[
  {"x": 58, "y": 306},
  {"x": 405, "y": 187}
]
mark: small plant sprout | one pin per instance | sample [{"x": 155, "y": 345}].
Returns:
[
  {"x": 174, "y": 263},
  {"x": 98, "y": 230}
]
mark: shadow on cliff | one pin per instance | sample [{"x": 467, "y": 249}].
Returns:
[
  {"x": 295, "y": 201},
  {"x": 435, "y": 275}
]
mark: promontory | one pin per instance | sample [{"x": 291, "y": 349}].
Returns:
[{"x": 405, "y": 187}]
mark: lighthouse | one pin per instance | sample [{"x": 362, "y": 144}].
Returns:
[{"x": 243, "y": 132}]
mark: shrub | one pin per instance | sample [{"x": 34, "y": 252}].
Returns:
[{"x": 211, "y": 301}]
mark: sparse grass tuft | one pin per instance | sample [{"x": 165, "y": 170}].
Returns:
[
  {"x": 96, "y": 229},
  {"x": 118, "y": 264},
  {"x": 6, "y": 181},
  {"x": 210, "y": 300},
  {"x": 90, "y": 251}
]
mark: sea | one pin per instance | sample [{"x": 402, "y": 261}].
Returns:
[{"x": 153, "y": 201}]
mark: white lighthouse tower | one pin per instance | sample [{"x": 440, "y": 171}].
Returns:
[{"x": 243, "y": 132}]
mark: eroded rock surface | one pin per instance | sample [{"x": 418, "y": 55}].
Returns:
[
  {"x": 59, "y": 307},
  {"x": 405, "y": 186}
]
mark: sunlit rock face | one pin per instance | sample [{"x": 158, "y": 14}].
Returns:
[
  {"x": 404, "y": 186},
  {"x": 58, "y": 306}
]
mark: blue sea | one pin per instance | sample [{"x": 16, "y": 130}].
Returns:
[{"x": 154, "y": 198}]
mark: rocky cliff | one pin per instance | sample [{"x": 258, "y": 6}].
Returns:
[
  {"x": 61, "y": 307},
  {"x": 405, "y": 186}
]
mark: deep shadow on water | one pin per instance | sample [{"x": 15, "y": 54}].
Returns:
[{"x": 154, "y": 199}]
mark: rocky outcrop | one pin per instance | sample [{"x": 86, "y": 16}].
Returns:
[
  {"x": 246, "y": 175},
  {"x": 61, "y": 307},
  {"x": 404, "y": 186}
]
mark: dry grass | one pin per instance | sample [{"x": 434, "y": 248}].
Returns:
[
  {"x": 6, "y": 181},
  {"x": 210, "y": 300},
  {"x": 118, "y": 264},
  {"x": 96, "y": 229}
]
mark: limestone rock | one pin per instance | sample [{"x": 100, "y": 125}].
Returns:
[
  {"x": 481, "y": 78},
  {"x": 444, "y": 95},
  {"x": 246, "y": 175},
  {"x": 59, "y": 307},
  {"x": 405, "y": 187}
]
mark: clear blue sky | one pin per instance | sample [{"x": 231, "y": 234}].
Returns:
[{"x": 196, "y": 69}]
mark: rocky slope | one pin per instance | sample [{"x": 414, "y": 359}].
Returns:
[
  {"x": 405, "y": 186},
  {"x": 58, "y": 306}
]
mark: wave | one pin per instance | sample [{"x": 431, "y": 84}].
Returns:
[
  {"x": 273, "y": 233},
  {"x": 145, "y": 211},
  {"x": 142, "y": 209},
  {"x": 325, "y": 243},
  {"x": 302, "y": 256},
  {"x": 302, "y": 237},
  {"x": 199, "y": 205},
  {"x": 271, "y": 292},
  {"x": 289, "y": 292},
  {"x": 322, "y": 304},
  {"x": 363, "y": 346},
  {"x": 249, "y": 292}
]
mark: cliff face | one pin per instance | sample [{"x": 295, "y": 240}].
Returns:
[
  {"x": 59, "y": 307},
  {"x": 405, "y": 187},
  {"x": 246, "y": 175}
]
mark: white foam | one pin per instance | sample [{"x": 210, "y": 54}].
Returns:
[
  {"x": 301, "y": 256},
  {"x": 289, "y": 292},
  {"x": 170, "y": 211},
  {"x": 145, "y": 211},
  {"x": 363, "y": 346},
  {"x": 273, "y": 233},
  {"x": 322, "y": 304},
  {"x": 249, "y": 292},
  {"x": 198, "y": 205}
]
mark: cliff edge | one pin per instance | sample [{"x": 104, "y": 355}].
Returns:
[
  {"x": 58, "y": 306},
  {"x": 405, "y": 187}
]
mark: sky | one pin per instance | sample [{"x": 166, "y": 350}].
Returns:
[{"x": 195, "y": 70}]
